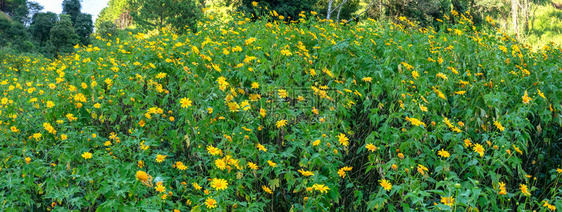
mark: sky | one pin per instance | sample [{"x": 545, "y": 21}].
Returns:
[{"x": 92, "y": 7}]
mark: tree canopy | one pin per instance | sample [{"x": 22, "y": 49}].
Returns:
[
  {"x": 71, "y": 8},
  {"x": 156, "y": 14}
]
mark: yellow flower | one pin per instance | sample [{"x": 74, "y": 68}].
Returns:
[
  {"x": 423, "y": 108},
  {"x": 210, "y": 203},
  {"x": 448, "y": 201},
  {"x": 50, "y": 104},
  {"x": 266, "y": 189},
  {"x": 549, "y": 206},
  {"x": 97, "y": 105},
  {"x": 316, "y": 143},
  {"x": 559, "y": 170},
  {"x": 196, "y": 186},
  {"x": 255, "y": 85},
  {"x": 367, "y": 79},
  {"x": 415, "y": 121},
  {"x": 180, "y": 166},
  {"x": 341, "y": 172},
  {"x": 371, "y": 147},
  {"x": 422, "y": 169},
  {"x": 306, "y": 173},
  {"x": 498, "y": 124},
  {"x": 261, "y": 147},
  {"x": 281, "y": 123},
  {"x": 441, "y": 75},
  {"x": 272, "y": 164},
  {"x": 219, "y": 184},
  {"x": 263, "y": 112},
  {"x": 443, "y": 153},
  {"x": 526, "y": 98},
  {"x": 220, "y": 163},
  {"x": 142, "y": 176},
  {"x": 160, "y": 158},
  {"x": 385, "y": 184},
  {"x": 286, "y": 52},
  {"x": 321, "y": 187},
  {"x": 415, "y": 74},
  {"x": 249, "y": 41},
  {"x": 87, "y": 155},
  {"x": 467, "y": 143},
  {"x": 252, "y": 166},
  {"x": 502, "y": 189},
  {"x": 524, "y": 190},
  {"x": 517, "y": 150},
  {"x": 541, "y": 94},
  {"x": 245, "y": 105},
  {"x": 27, "y": 160},
  {"x": 343, "y": 139},
  {"x": 479, "y": 149},
  {"x": 37, "y": 136},
  {"x": 282, "y": 93},
  {"x": 440, "y": 94},
  {"x": 185, "y": 102},
  {"x": 213, "y": 150},
  {"x": 160, "y": 188}
]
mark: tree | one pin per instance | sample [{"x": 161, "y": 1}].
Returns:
[
  {"x": 514, "y": 16},
  {"x": 117, "y": 12},
  {"x": 106, "y": 29},
  {"x": 84, "y": 26},
  {"x": 33, "y": 8},
  {"x": 14, "y": 35},
  {"x": 17, "y": 9},
  {"x": 342, "y": 9},
  {"x": 71, "y": 8},
  {"x": 156, "y": 14},
  {"x": 41, "y": 25},
  {"x": 287, "y": 8},
  {"x": 63, "y": 37}
]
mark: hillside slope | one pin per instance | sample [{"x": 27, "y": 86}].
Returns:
[{"x": 266, "y": 116}]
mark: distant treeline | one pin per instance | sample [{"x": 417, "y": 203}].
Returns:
[{"x": 24, "y": 28}]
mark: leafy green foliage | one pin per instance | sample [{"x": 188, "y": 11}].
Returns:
[
  {"x": 546, "y": 26},
  {"x": 157, "y": 14},
  {"x": 17, "y": 9},
  {"x": 62, "y": 36},
  {"x": 106, "y": 29},
  {"x": 41, "y": 26},
  {"x": 84, "y": 26},
  {"x": 269, "y": 116},
  {"x": 14, "y": 35},
  {"x": 71, "y": 8},
  {"x": 117, "y": 12},
  {"x": 346, "y": 13},
  {"x": 288, "y": 8}
]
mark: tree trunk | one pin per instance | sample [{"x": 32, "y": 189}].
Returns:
[
  {"x": 329, "y": 9},
  {"x": 339, "y": 10},
  {"x": 514, "y": 14},
  {"x": 526, "y": 20}
]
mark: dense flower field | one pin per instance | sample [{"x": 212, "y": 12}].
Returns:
[{"x": 267, "y": 115}]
